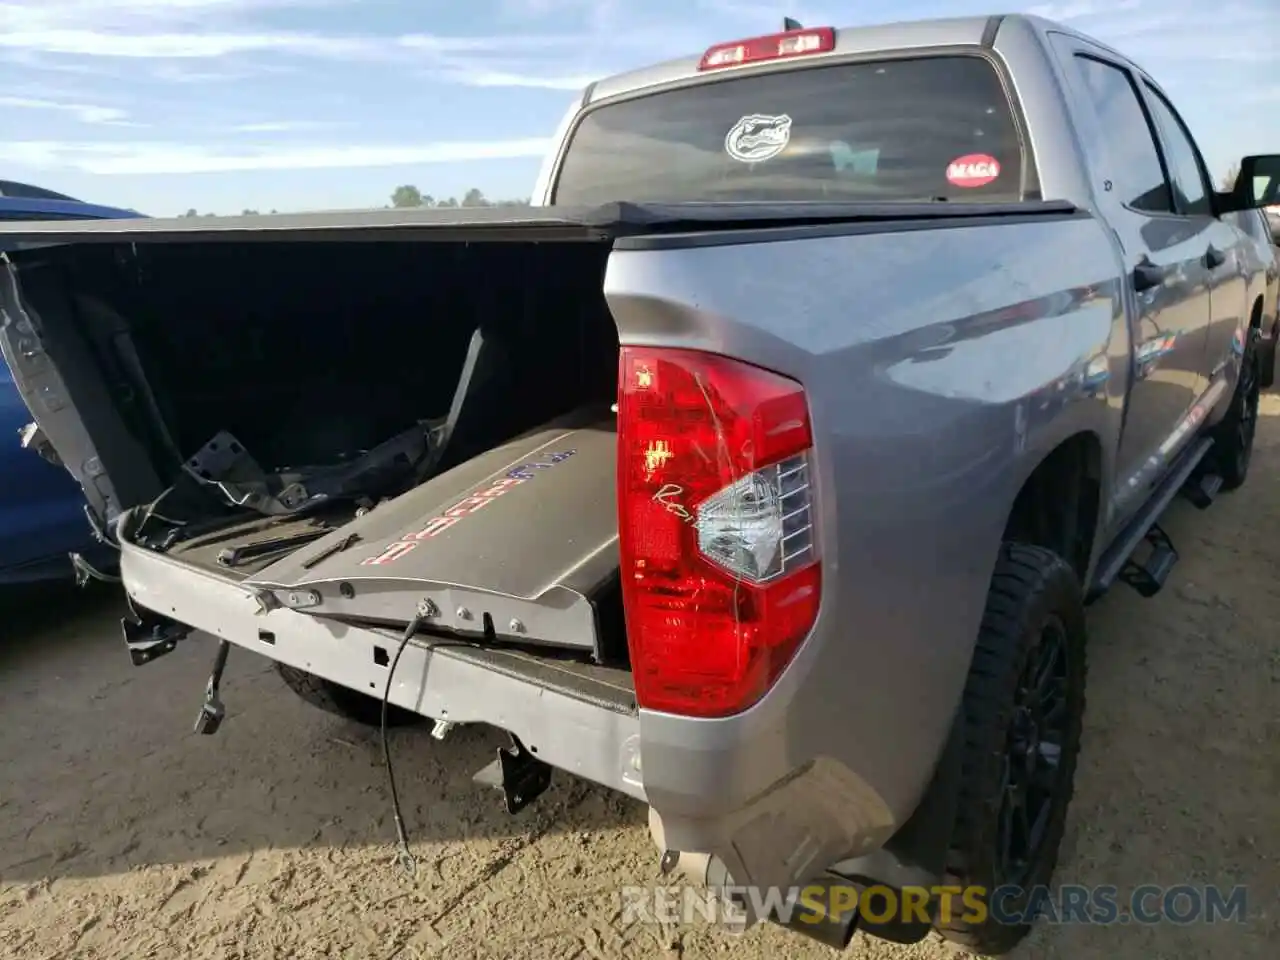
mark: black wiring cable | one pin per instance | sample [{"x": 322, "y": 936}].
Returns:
[{"x": 405, "y": 855}]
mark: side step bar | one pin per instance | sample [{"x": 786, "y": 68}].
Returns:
[
  {"x": 1149, "y": 575},
  {"x": 1201, "y": 490}
]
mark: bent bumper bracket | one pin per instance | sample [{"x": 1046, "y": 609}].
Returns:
[
  {"x": 520, "y": 775},
  {"x": 149, "y": 635}
]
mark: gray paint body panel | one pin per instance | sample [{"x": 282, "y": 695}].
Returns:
[
  {"x": 929, "y": 411},
  {"x": 849, "y": 43}
]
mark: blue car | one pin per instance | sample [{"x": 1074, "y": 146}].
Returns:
[{"x": 42, "y": 518}]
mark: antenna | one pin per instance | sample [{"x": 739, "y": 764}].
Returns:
[{"x": 789, "y": 24}]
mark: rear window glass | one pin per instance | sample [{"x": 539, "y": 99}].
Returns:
[{"x": 915, "y": 129}]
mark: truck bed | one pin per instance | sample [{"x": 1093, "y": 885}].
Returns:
[{"x": 517, "y": 545}]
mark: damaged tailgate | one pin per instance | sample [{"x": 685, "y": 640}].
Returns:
[{"x": 513, "y": 544}]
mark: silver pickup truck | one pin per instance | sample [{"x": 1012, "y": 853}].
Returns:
[{"x": 762, "y": 472}]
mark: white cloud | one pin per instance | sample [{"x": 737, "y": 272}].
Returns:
[
  {"x": 210, "y": 29},
  {"x": 598, "y": 16},
  {"x": 769, "y": 15},
  {"x": 91, "y": 43},
  {"x": 280, "y": 126},
  {"x": 109, "y": 159},
  {"x": 115, "y": 14},
  {"x": 84, "y": 112},
  {"x": 505, "y": 43},
  {"x": 1075, "y": 9},
  {"x": 480, "y": 77},
  {"x": 31, "y": 61},
  {"x": 1174, "y": 31},
  {"x": 191, "y": 29},
  {"x": 212, "y": 45},
  {"x": 202, "y": 72}
]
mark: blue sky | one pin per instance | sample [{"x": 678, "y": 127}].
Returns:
[{"x": 221, "y": 105}]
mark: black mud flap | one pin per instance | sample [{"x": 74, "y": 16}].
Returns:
[{"x": 911, "y": 863}]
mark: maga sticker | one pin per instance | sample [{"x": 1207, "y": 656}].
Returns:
[
  {"x": 757, "y": 137},
  {"x": 973, "y": 170}
]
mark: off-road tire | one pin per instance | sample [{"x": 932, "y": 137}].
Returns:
[
  {"x": 1034, "y": 594},
  {"x": 1233, "y": 437},
  {"x": 343, "y": 701}
]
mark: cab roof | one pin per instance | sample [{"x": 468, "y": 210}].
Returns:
[{"x": 849, "y": 42}]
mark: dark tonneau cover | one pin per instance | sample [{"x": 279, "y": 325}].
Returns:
[{"x": 495, "y": 223}]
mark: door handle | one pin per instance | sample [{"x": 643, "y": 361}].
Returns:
[
  {"x": 1147, "y": 275},
  {"x": 1214, "y": 258}
]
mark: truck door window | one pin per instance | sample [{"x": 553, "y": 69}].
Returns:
[
  {"x": 919, "y": 128},
  {"x": 1133, "y": 159},
  {"x": 1267, "y": 190},
  {"x": 1189, "y": 183}
]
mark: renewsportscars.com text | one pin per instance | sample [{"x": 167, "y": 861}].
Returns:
[{"x": 1181, "y": 904}]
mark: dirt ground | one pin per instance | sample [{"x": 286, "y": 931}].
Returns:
[{"x": 123, "y": 835}]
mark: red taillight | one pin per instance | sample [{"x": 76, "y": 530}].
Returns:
[
  {"x": 775, "y": 46},
  {"x": 720, "y": 570}
]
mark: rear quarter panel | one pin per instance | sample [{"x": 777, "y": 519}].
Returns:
[{"x": 941, "y": 365}]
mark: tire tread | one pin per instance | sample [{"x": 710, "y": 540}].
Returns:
[
  {"x": 342, "y": 701},
  {"x": 1024, "y": 574}
]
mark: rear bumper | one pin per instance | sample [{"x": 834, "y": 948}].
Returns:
[
  {"x": 571, "y": 733},
  {"x": 808, "y": 817}
]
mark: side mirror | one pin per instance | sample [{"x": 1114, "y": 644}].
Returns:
[{"x": 1257, "y": 184}]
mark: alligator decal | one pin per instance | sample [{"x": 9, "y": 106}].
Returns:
[{"x": 757, "y": 137}]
